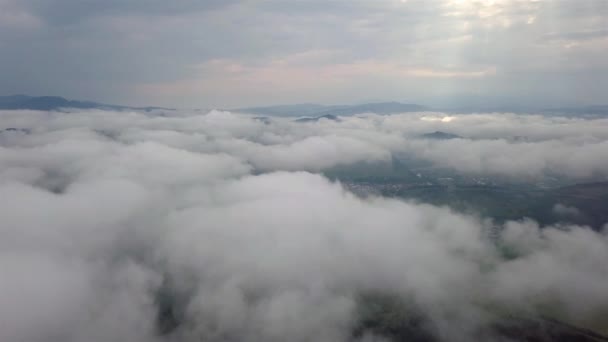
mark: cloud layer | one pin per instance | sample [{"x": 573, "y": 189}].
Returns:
[
  {"x": 521, "y": 147},
  {"x": 243, "y": 52},
  {"x": 107, "y": 215}
]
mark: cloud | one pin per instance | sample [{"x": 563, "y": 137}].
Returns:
[
  {"x": 126, "y": 52},
  {"x": 13, "y": 17},
  {"x": 131, "y": 226},
  {"x": 69, "y": 12},
  {"x": 221, "y": 144},
  {"x": 566, "y": 211}
]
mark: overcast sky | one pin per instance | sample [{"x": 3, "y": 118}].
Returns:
[{"x": 231, "y": 53}]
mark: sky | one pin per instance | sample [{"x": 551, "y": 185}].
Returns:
[{"x": 234, "y": 53}]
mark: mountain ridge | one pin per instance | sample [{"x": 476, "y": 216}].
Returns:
[
  {"x": 316, "y": 110},
  {"x": 50, "y": 103},
  {"x": 309, "y": 110}
]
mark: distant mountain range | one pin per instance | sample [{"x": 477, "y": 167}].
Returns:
[
  {"x": 318, "y": 111},
  {"x": 317, "y": 118},
  {"x": 306, "y": 111},
  {"x": 597, "y": 111},
  {"x": 439, "y": 135},
  {"x": 314, "y": 112},
  {"x": 582, "y": 111},
  {"x": 57, "y": 103}
]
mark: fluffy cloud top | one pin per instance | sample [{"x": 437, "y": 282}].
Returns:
[
  {"x": 511, "y": 145},
  {"x": 107, "y": 216}
]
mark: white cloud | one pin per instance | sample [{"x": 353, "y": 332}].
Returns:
[{"x": 143, "y": 203}]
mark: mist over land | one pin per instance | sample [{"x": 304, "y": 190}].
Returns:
[{"x": 185, "y": 226}]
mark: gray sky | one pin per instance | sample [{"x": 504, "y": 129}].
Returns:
[{"x": 231, "y": 53}]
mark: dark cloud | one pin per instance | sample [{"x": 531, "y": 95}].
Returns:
[{"x": 69, "y": 12}]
